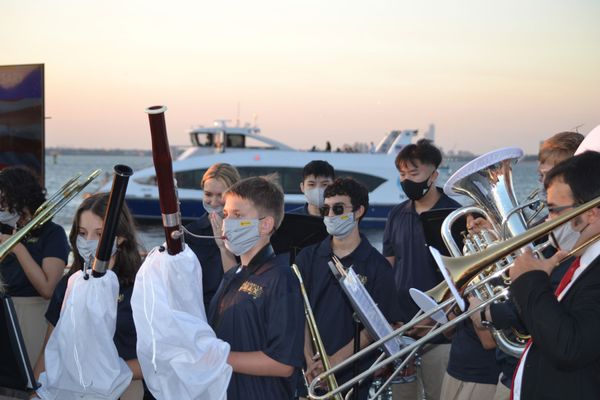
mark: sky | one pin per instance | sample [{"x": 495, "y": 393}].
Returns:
[{"x": 488, "y": 74}]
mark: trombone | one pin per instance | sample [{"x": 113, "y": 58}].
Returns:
[{"x": 471, "y": 265}]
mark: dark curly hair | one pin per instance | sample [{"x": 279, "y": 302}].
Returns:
[
  {"x": 358, "y": 193},
  {"x": 127, "y": 259},
  {"x": 20, "y": 189}
]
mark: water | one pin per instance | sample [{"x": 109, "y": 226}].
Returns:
[{"x": 66, "y": 166}]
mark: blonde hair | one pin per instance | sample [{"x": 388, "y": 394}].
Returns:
[
  {"x": 226, "y": 173},
  {"x": 559, "y": 147}
]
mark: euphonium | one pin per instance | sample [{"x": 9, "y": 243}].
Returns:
[
  {"x": 318, "y": 345},
  {"x": 487, "y": 180}
]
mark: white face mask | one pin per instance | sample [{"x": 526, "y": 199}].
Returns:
[
  {"x": 87, "y": 248},
  {"x": 241, "y": 234},
  {"x": 564, "y": 237},
  {"x": 209, "y": 209},
  {"x": 315, "y": 196},
  {"x": 340, "y": 226},
  {"x": 8, "y": 218}
]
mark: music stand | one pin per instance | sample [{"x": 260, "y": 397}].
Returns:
[
  {"x": 296, "y": 232},
  {"x": 432, "y": 226},
  {"x": 16, "y": 375}
]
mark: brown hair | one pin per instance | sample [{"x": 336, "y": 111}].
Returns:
[
  {"x": 559, "y": 147},
  {"x": 226, "y": 173},
  {"x": 127, "y": 258},
  {"x": 263, "y": 192}
]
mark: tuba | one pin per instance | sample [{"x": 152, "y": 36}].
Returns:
[{"x": 487, "y": 181}]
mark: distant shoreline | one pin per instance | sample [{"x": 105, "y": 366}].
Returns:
[{"x": 51, "y": 151}]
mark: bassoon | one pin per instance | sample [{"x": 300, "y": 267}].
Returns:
[
  {"x": 169, "y": 203},
  {"x": 111, "y": 219}
]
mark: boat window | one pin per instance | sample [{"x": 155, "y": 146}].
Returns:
[
  {"x": 289, "y": 178},
  {"x": 235, "y": 141},
  {"x": 203, "y": 139}
]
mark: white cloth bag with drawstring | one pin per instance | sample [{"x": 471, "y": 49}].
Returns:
[
  {"x": 81, "y": 359},
  {"x": 180, "y": 355}
]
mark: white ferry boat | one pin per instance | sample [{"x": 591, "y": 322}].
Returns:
[{"x": 253, "y": 155}]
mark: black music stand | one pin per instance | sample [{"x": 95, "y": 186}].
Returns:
[
  {"x": 432, "y": 226},
  {"x": 16, "y": 375},
  {"x": 296, "y": 232}
]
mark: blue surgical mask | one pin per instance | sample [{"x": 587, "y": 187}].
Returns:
[
  {"x": 210, "y": 209},
  {"x": 340, "y": 226},
  {"x": 9, "y": 218},
  {"x": 315, "y": 196},
  {"x": 241, "y": 234},
  {"x": 87, "y": 248}
]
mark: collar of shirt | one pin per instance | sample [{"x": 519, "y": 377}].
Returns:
[
  {"x": 443, "y": 202},
  {"x": 588, "y": 256},
  {"x": 259, "y": 259},
  {"x": 360, "y": 254}
]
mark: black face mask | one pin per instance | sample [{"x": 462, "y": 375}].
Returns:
[{"x": 415, "y": 190}]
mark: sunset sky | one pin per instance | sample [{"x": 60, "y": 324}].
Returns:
[{"x": 488, "y": 74}]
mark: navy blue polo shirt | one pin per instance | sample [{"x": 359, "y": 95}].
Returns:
[
  {"x": 404, "y": 239},
  {"x": 469, "y": 361},
  {"x": 208, "y": 254},
  {"x": 125, "y": 335},
  {"x": 331, "y": 307},
  {"x": 259, "y": 308},
  {"x": 48, "y": 241}
]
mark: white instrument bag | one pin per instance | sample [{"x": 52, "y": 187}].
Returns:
[
  {"x": 180, "y": 355},
  {"x": 81, "y": 358}
]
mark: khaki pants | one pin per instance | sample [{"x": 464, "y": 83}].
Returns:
[
  {"x": 453, "y": 389},
  {"x": 135, "y": 391},
  {"x": 502, "y": 392},
  {"x": 30, "y": 312},
  {"x": 434, "y": 361}
]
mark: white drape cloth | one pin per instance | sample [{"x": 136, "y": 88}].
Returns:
[
  {"x": 180, "y": 356},
  {"x": 81, "y": 359}
]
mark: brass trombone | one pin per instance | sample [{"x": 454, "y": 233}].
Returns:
[
  {"x": 48, "y": 209},
  {"x": 465, "y": 268}
]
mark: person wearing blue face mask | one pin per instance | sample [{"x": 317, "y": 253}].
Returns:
[
  {"x": 345, "y": 203},
  {"x": 316, "y": 176},
  {"x": 405, "y": 247},
  {"x": 33, "y": 268},
  {"x": 125, "y": 262},
  {"x": 212, "y": 253},
  {"x": 258, "y": 308}
]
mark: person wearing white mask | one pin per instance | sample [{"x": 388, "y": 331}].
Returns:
[
  {"x": 345, "y": 204},
  {"x": 258, "y": 308},
  {"x": 214, "y": 257},
  {"x": 34, "y": 266},
  {"x": 125, "y": 262},
  {"x": 316, "y": 176}
]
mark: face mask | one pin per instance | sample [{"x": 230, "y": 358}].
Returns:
[
  {"x": 339, "y": 226},
  {"x": 241, "y": 234},
  {"x": 87, "y": 248},
  {"x": 315, "y": 196},
  {"x": 415, "y": 190},
  {"x": 8, "y": 218},
  {"x": 564, "y": 237},
  {"x": 209, "y": 209}
]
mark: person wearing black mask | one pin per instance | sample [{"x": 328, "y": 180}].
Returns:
[{"x": 405, "y": 247}]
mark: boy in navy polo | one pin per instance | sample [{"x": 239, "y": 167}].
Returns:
[
  {"x": 405, "y": 247},
  {"x": 258, "y": 308},
  {"x": 346, "y": 202},
  {"x": 316, "y": 176}
]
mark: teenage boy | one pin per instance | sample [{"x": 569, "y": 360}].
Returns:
[
  {"x": 258, "y": 308},
  {"x": 316, "y": 176},
  {"x": 345, "y": 204},
  {"x": 405, "y": 247}
]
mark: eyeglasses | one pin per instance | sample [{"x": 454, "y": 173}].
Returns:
[
  {"x": 338, "y": 209},
  {"x": 558, "y": 209}
]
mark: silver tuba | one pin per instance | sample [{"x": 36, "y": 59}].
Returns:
[{"x": 487, "y": 181}]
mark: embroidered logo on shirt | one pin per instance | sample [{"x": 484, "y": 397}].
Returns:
[
  {"x": 252, "y": 289},
  {"x": 362, "y": 279},
  {"x": 120, "y": 298}
]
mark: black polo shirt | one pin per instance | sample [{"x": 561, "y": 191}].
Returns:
[
  {"x": 259, "y": 308},
  {"x": 125, "y": 335},
  {"x": 404, "y": 239},
  {"x": 208, "y": 254},
  {"x": 48, "y": 241},
  {"x": 331, "y": 307}
]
